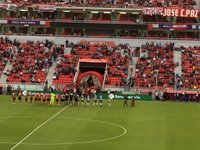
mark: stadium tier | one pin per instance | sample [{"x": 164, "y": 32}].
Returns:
[
  {"x": 155, "y": 64},
  {"x": 145, "y": 64},
  {"x": 166, "y": 19},
  {"x": 117, "y": 67},
  {"x": 190, "y": 68},
  {"x": 105, "y": 3},
  {"x": 7, "y": 51},
  {"x": 65, "y": 70},
  {"x": 31, "y": 63}
]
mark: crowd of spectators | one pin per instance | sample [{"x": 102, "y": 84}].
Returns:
[
  {"x": 31, "y": 63},
  {"x": 65, "y": 67},
  {"x": 190, "y": 77},
  {"x": 117, "y": 55},
  {"x": 6, "y": 52},
  {"x": 80, "y": 17},
  {"x": 85, "y": 3},
  {"x": 183, "y": 3},
  {"x": 155, "y": 66},
  {"x": 107, "y": 3}
]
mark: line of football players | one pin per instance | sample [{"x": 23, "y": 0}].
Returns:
[{"x": 68, "y": 98}]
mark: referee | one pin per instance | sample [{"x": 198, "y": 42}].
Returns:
[{"x": 125, "y": 100}]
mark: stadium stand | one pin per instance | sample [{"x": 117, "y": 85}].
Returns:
[
  {"x": 129, "y": 18},
  {"x": 118, "y": 62},
  {"x": 6, "y": 53},
  {"x": 190, "y": 68},
  {"x": 124, "y": 19},
  {"x": 65, "y": 70},
  {"x": 107, "y": 3},
  {"x": 32, "y": 62},
  {"x": 155, "y": 67}
]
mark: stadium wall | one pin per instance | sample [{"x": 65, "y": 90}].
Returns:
[{"x": 132, "y": 42}]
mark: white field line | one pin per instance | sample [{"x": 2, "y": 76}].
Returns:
[
  {"x": 68, "y": 143},
  {"x": 38, "y": 128},
  {"x": 87, "y": 141}
]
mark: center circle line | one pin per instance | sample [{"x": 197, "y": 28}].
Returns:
[{"x": 70, "y": 143}]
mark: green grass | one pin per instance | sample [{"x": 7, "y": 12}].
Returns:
[{"x": 150, "y": 126}]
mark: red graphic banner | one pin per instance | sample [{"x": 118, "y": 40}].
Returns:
[
  {"x": 44, "y": 8},
  {"x": 93, "y": 60},
  {"x": 96, "y": 78},
  {"x": 179, "y": 12},
  {"x": 152, "y": 11},
  {"x": 171, "y": 12}
]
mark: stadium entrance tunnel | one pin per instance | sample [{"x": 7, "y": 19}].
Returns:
[{"x": 90, "y": 79}]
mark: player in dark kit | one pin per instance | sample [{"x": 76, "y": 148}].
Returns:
[
  {"x": 95, "y": 100},
  {"x": 133, "y": 102},
  {"x": 88, "y": 100},
  {"x": 76, "y": 99},
  {"x": 62, "y": 99},
  {"x": 71, "y": 98},
  {"x": 100, "y": 100},
  {"x": 125, "y": 100},
  {"x": 82, "y": 99},
  {"x": 67, "y": 98}
]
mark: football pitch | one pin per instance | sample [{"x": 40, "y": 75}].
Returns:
[{"x": 148, "y": 126}]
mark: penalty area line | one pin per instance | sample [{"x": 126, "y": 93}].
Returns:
[{"x": 38, "y": 128}]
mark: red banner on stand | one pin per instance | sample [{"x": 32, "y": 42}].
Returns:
[
  {"x": 171, "y": 12},
  {"x": 10, "y": 7},
  {"x": 152, "y": 11},
  {"x": 179, "y": 12},
  {"x": 44, "y": 8},
  {"x": 93, "y": 60}
]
